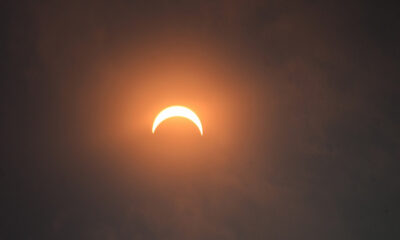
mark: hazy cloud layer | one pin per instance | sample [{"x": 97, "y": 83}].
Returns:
[{"x": 299, "y": 103}]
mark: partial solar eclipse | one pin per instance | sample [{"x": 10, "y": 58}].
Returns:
[{"x": 177, "y": 111}]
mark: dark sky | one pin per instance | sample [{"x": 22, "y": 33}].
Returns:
[{"x": 299, "y": 102}]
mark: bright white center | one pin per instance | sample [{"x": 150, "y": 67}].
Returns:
[{"x": 177, "y": 111}]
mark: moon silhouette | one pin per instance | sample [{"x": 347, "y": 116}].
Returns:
[{"x": 177, "y": 111}]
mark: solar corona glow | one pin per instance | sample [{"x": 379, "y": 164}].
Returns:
[{"x": 177, "y": 111}]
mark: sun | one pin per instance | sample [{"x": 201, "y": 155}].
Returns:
[{"x": 177, "y": 111}]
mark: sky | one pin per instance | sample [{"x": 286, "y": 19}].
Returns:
[{"x": 298, "y": 102}]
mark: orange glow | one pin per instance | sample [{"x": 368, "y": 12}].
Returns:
[{"x": 177, "y": 111}]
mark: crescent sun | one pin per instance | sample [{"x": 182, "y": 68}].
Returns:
[{"x": 177, "y": 111}]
